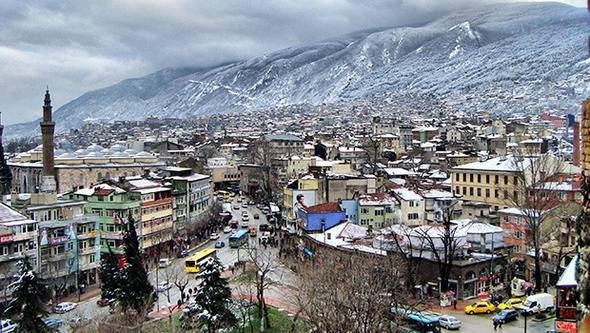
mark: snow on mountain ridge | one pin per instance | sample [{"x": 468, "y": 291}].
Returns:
[{"x": 469, "y": 52}]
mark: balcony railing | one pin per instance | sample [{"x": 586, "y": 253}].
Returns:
[
  {"x": 89, "y": 250},
  {"x": 24, "y": 236},
  {"x": 18, "y": 255},
  {"x": 87, "y": 235},
  {"x": 111, "y": 235}
]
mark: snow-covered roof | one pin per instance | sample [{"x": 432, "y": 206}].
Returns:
[
  {"x": 568, "y": 277},
  {"x": 437, "y": 194},
  {"x": 506, "y": 164},
  {"x": 407, "y": 195},
  {"x": 393, "y": 172},
  {"x": 376, "y": 199},
  {"x": 152, "y": 190}
]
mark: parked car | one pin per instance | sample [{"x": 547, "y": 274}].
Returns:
[
  {"x": 505, "y": 316},
  {"x": 244, "y": 205},
  {"x": 219, "y": 244},
  {"x": 236, "y": 207},
  {"x": 164, "y": 262},
  {"x": 163, "y": 286},
  {"x": 64, "y": 307},
  {"x": 227, "y": 230},
  {"x": 251, "y": 203},
  {"x": 53, "y": 323},
  {"x": 256, "y": 216},
  {"x": 244, "y": 224},
  {"x": 245, "y": 218},
  {"x": 480, "y": 307},
  {"x": 234, "y": 224},
  {"x": 182, "y": 254},
  {"x": 449, "y": 322},
  {"x": 238, "y": 200},
  {"x": 214, "y": 236},
  {"x": 7, "y": 325},
  {"x": 510, "y": 303},
  {"x": 536, "y": 303},
  {"x": 103, "y": 302},
  {"x": 252, "y": 231}
]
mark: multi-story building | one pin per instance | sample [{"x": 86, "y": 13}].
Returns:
[
  {"x": 192, "y": 194},
  {"x": 378, "y": 210},
  {"x": 156, "y": 225},
  {"x": 495, "y": 181},
  {"x": 412, "y": 207},
  {"x": 112, "y": 205},
  {"x": 283, "y": 145},
  {"x": 516, "y": 231},
  {"x": 69, "y": 252},
  {"x": 18, "y": 238},
  {"x": 224, "y": 173}
]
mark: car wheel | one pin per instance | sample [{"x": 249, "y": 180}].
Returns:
[
  {"x": 488, "y": 311},
  {"x": 471, "y": 312}
]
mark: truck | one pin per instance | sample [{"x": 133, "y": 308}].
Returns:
[{"x": 536, "y": 304}]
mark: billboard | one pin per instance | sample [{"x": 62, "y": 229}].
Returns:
[{"x": 302, "y": 199}]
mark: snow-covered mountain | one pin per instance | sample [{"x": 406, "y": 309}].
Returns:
[{"x": 501, "y": 58}]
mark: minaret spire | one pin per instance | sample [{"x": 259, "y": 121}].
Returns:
[
  {"x": 5, "y": 174},
  {"x": 47, "y": 131}
]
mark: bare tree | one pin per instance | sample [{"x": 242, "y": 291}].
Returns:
[
  {"x": 373, "y": 148},
  {"x": 351, "y": 293},
  {"x": 180, "y": 280},
  {"x": 443, "y": 242},
  {"x": 261, "y": 154},
  {"x": 535, "y": 194}
]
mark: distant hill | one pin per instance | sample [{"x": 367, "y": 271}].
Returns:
[{"x": 502, "y": 58}]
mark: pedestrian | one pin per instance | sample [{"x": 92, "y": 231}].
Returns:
[
  {"x": 495, "y": 324},
  {"x": 455, "y": 303},
  {"x": 499, "y": 324}
]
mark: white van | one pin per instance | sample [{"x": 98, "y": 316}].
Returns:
[
  {"x": 536, "y": 304},
  {"x": 164, "y": 262}
]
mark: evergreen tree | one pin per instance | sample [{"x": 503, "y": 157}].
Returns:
[
  {"x": 30, "y": 295},
  {"x": 211, "y": 310},
  {"x": 136, "y": 292},
  {"x": 109, "y": 276}
]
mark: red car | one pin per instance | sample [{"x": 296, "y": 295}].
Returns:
[{"x": 103, "y": 302}]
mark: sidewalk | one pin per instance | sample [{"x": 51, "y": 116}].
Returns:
[{"x": 91, "y": 292}]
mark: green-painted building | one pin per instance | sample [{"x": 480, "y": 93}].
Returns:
[
  {"x": 378, "y": 210},
  {"x": 112, "y": 205}
]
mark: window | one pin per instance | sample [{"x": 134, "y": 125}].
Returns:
[
  {"x": 364, "y": 211},
  {"x": 496, "y": 193},
  {"x": 464, "y": 190},
  {"x": 505, "y": 194},
  {"x": 379, "y": 212},
  {"x": 413, "y": 216},
  {"x": 471, "y": 191},
  {"x": 479, "y": 178},
  {"x": 457, "y": 190},
  {"x": 457, "y": 177},
  {"x": 515, "y": 180},
  {"x": 471, "y": 177},
  {"x": 515, "y": 195},
  {"x": 487, "y": 192},
  {"x": 505, "y": 180},
  {"x": 479, "y": 192},
  {"x": 496, "y": 179},
  {"x": 464, "y": 177},
  {"x": 487, "y": 179},
  {"x": 518, "y": 234}
]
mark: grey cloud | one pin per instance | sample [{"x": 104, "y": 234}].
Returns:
[{"x": 77, "y": 46}]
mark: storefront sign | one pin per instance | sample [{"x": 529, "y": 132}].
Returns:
[
  {"x": 566, "y": 313},
  {"x": 6, "y": 239},
  {"x": 565, "y": 326}
]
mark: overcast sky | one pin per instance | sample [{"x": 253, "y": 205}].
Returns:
[{"x": 78, "y": 46}]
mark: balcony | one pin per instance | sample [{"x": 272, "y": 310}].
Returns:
[
  {"x": 89, "y": 250},
  {"x": 111, "y": 235},
  {"x": 87, "y": 235},
  {"x": 24, "y": 236},
  {"x": 156, "y": 228},
  {"x": 57, "y": 257},
  {"x": 18, "y": 255}
]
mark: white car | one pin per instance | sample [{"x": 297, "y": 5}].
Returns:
[
  {"x": 65, "y": 307},
  {"x": 163, "y": 286},
  {"x": 214, "y": 236},
  {"x": 449, "y": 322},
  {"x": 164, "y": 262},
  {"x": 7, "y": 325},
  {"x": 227, "y": 230}
]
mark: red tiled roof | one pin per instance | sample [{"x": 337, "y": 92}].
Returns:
[
  {"x": 103, "y": 191},
  {"x": 325, "y": 208}
]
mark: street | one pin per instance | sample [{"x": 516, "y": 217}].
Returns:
[
  {"x": 226, "y": 255},
  {"x": 483, "y": 323}
]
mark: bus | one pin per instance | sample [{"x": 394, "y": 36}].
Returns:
[
  {"x": 192, "y": 263},
  {"x": 238, "y": 238},
  {"x": 415, "y": 322}
]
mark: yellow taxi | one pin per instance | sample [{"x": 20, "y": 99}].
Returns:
[
  {"x": 509, "y": 304},
  {"x": 480, "y": 307}
]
